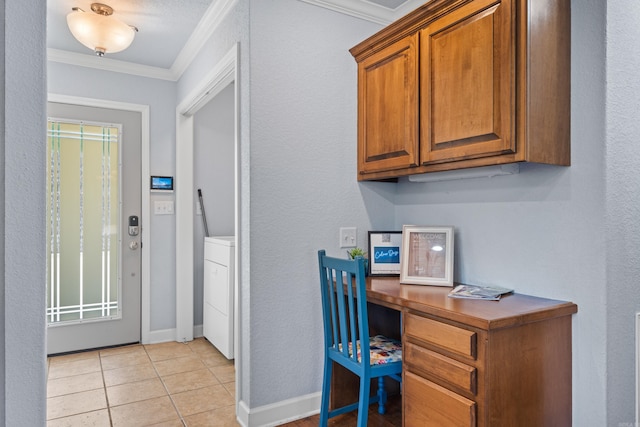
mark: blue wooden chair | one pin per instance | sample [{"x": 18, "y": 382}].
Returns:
[{"x": 346, "y": 327}]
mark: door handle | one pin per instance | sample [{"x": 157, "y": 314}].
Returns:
[{"x": 133, "y": 245}]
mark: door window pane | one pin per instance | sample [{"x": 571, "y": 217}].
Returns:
[{"x": 82, "y": 223}]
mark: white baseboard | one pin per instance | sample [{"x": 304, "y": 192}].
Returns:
[
  {"x": 197, "y": 331},
  {"x": 166, "y": 335},
  {"x": 637, "y": 369},
  {"x": 278, "y": 413},
  {"x": 242, "y": 414}
]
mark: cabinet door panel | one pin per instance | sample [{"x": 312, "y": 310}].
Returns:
[
  {"x": 426, "y": 404},
  {"x": 468, "y": 83},
  {"x": 388, "y": 108}
]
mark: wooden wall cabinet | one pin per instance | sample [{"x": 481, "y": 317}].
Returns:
[
  {"x": 465, "y": 83},
  {"x": 389, "y": 123}
]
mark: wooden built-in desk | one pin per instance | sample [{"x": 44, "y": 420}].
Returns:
[{"x": 472, "y": 362}]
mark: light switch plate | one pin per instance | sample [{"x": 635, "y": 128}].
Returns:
[
  {"x": 163, "y": 207},
  {"x": 348, "y": 237}
]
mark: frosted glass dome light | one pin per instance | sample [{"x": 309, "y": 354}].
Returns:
[{"x": 100, "y": 31}]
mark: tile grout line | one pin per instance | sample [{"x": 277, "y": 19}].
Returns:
[
  {"x": 184, "y": 423},
  {"x": 72, "y": 393},
  {"x": 199, "y": 356},
  {"x": 104, "y": 384},
  {"x": 193, "y": 351},
  {"x": 158, "y": 376}
]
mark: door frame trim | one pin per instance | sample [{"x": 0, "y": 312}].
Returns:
[
  {"x": 219, "y": 78},
  {"x": 226, "y": 71},
  {"x": 145, "y": 268}
]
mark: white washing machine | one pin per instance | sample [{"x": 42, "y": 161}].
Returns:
[{"x": 219, "y": 292}]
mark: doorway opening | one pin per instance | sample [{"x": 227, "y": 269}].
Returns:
[{"x": 222, "y": 80}]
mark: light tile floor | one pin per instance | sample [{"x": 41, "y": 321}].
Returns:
[{"x": 168, "y": 384}]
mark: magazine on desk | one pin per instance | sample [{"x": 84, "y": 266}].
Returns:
[{"x": 492, "y": 293}]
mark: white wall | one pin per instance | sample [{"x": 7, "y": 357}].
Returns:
[
  {"x": 22, "y": 165},
  {"x": 213, "y": 172},
  {"x": 622, "y": 229},
  {"x": 160, "y": 95}
]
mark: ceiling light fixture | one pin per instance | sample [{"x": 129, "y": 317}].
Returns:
[{"x": 100, "y": 31}]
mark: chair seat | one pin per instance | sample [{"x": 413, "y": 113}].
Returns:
[{"x": 383, "y": 350}]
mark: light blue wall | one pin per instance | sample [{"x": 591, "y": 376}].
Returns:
[
  {"x": 234, "y": 28},
  {"x": 622, "y": 226},
  {"x": 542, "y": 232},
  {"x": 546, "y": 231},
  {"x": 22, "y": 165},
  {"x": 160, "y": 96},
  {"x": 3, "y": 106},
  {"x": 303, "y": 184}
]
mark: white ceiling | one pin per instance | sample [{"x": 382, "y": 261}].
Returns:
[{"x": 169, "y": 30}]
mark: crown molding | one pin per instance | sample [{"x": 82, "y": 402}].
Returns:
[
  {"x": 109, "y": 64},
  {"x": 368, "y": 11},
  {"x": 210, "y": 21},
  {"x": 203, "y": 31}
]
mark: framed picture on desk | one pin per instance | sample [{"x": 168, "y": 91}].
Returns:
[
  {"x": 427, "y": 255},
  {"x": 384, "y": 253}
]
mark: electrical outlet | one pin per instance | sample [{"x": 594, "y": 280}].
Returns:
[{"x": 348, "y": 237}]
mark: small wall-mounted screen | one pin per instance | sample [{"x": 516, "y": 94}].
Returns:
[{"x": 161, "y": 183}]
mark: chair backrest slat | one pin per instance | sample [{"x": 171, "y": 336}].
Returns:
[
  {"x": 344, "y": 311},
  {"x": 353, "y": 321},
  {"x": 342, "y": 315},
  {"x": 328, "y": 296}
]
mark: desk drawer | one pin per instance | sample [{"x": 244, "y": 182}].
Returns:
[
  {"x": 448, "y": 337},
  {"x": 426, "y": 404},
  {"x": 451, "y": 371}
]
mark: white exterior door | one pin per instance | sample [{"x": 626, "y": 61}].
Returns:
[{"x": 94, "y": 247}]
